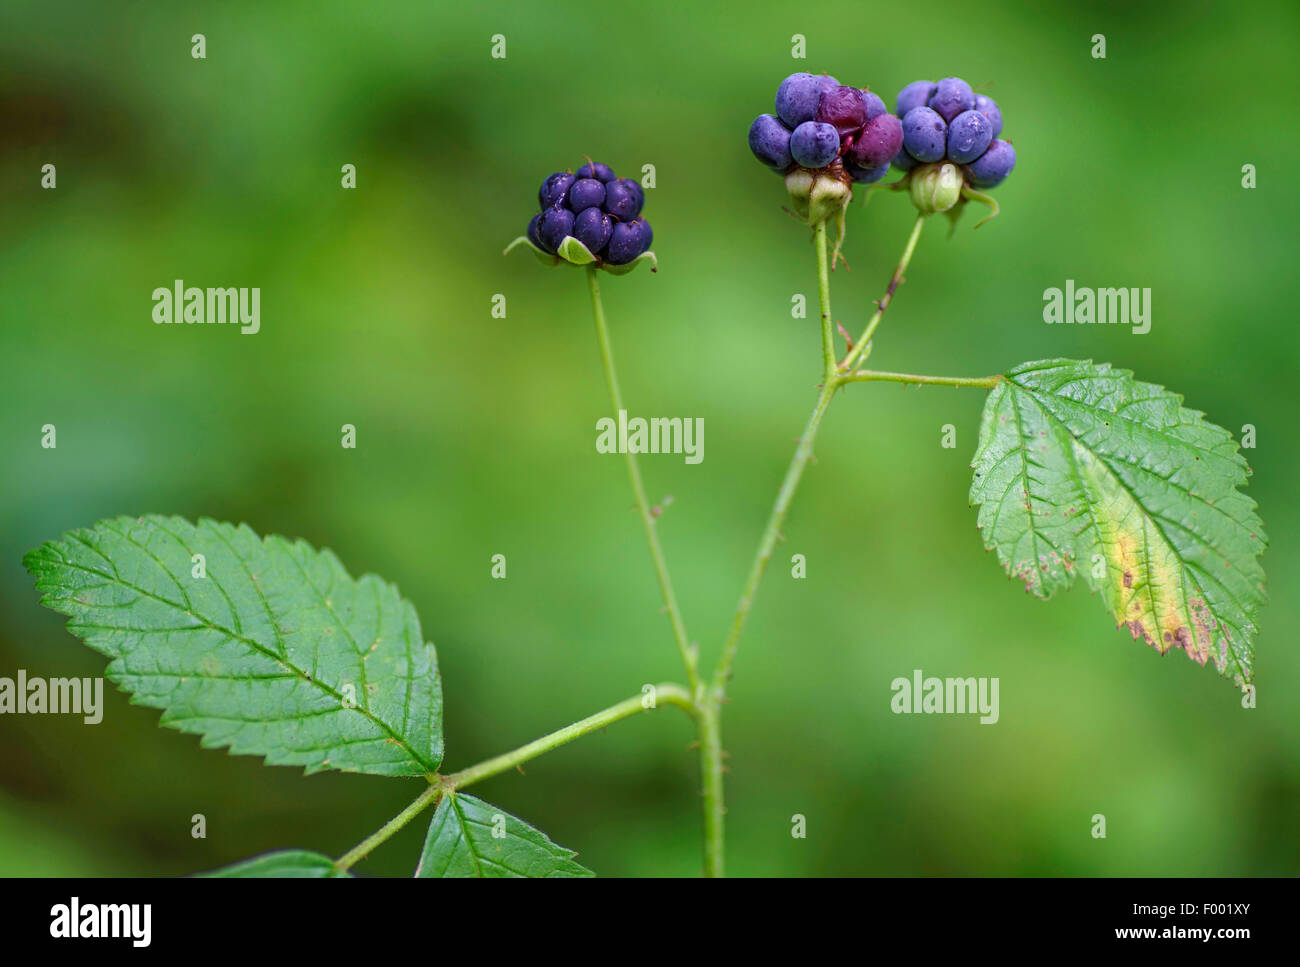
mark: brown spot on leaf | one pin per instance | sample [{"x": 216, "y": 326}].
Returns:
[
  {"x": 1205, "y": 626},
  {"x": 1128, "y": 579}
]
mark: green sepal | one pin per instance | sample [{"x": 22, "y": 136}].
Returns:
[
  {"x": 970, "y": 194},
  {"x": 828, "y": 198},
  {"x": 546, "y": 257},
  {"x": 628, "y": 267},
  {"x": 574, "y": 252},
  {"x": 935, "y": 187},
  {"x": 798, "y": 185}
]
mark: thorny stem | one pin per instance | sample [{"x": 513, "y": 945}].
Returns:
[
  {"x": 362, "y": 849},
  {"x": 862, "y": 349},
  {"x": 802, "y": 453},
  {"x": 710, "y": 730},
  {"x": 704, "y": 710},
  {"x": 689, "y": 656},
  {"x": 440, "y": 785},
  {"x": 771, "y": 534},
  {"x": 710, "y": 709},
  {"x": 824, "y": 300},
  {"x": 835, "y": 376},
  {"x": 704, "y": 707},
  {"x": 710, "y": 717},
  {"x": 871, "y": 376},
  {"x": 663, "y": 693}
]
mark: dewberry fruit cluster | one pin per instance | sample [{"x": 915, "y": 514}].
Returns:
[
  {"x": 822, "y": 124},
  {"x": 948, "y": 122},
  {"x": 599, "y": 209}
]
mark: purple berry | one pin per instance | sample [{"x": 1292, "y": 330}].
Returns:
[
  {"x": 798, "y": 96},
  {"x": 769, "y": 139},
  {"x": 593, "y": 228},
  {"x": 814, "y": 144},
  {"x": 879, "y": 142},
  {"x": 865, "y": 176},
  {"x": 993, "y": 166},
  {"x": 874, "y": 104},
  {"x": 968, "y": 136},
  {"x": 555, "y": 189},
  {"x": 904, "y": 161},
  {"x": 843, "y": 107},
  {"x": 989, "y": 108},
  {"x": 532, "y": 231},
  {"x": 628, "y": 240},
  {"x": 951, "y": 96},
  {"x": 555, "y": 224},
  {"x": 925, "y": 135},
  {"x": 600, "y": 172},
  {"x": 913, "y": 95},
  {"x": 586, "y": 193},
  {"x": 624, "y": 198}
]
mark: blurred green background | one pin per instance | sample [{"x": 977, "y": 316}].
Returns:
[{"x": 476, "y": 435}]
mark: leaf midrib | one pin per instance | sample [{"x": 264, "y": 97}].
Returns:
[
  {"x": 464, "y": 832},
  {"x": 1234, "y": 460},
  {"x": 253, "y": 645},
  {"x": 1148, "y": 516},
  {"x": 1109, "y": 461}
]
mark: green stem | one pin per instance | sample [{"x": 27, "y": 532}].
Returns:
[
  {"x": 710, "y": 729},
  {"x": 870, "y": 376},
  {"x": 824, "y": 299},
  {"x": 802, "y": 453},
  {"x": 771, "y": 534},
  {"x": 362, "y": 849},
  {"x": 689, "y": 657},
  {"x": 664, "y": 693},
  {"x": 710, "y": 726},
  {"x": 710, "y": 712},
  {"x": 862, "y": 349}
]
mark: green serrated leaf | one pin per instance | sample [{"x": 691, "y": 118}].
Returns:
[
  {"x": 629, "y": 266},
  {"x": 286, "y": 863},
  {"x": 571, "y": 250},
  {"x": 471, "y": 838},
  {"x": 1081, "y": 468},
  {"x": 276, "y": 652}
]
